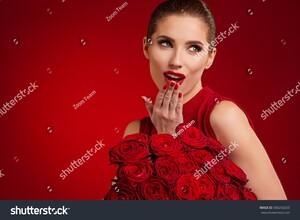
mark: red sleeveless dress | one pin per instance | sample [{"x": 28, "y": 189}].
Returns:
[{"x": 198, "y": 109}]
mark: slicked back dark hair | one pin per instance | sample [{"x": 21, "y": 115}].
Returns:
[{"x": 194, "y": 8}]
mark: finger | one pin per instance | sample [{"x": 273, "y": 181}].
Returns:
[
  {"x": 179, "y": 107},
  {"x": 148, "y": 104},
  {"x": 174, "y": 99},
  {"x": 160, "y": 97},
  {"x": 167, "y": 98}
]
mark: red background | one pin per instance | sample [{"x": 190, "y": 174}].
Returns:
[{"x": 49, "y": 51}]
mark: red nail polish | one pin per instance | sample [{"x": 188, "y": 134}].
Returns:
[
  {"x": 176, "y": 86},
  {"x": 172, "y": 84},
  {"x": 180, "y": 95},
  {"x": 165, "y": 87}
]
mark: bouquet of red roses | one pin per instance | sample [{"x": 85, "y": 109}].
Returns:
[{"x": 162, "y": 167}]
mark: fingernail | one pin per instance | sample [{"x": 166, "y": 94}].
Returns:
[
  {"x": 165, "y": 87},
  {"x": 143, "y": 98},
  {"x": 179, "y": 95},
  {"x": 172, "y": 84},
  {"x": 176, "y": 86}
]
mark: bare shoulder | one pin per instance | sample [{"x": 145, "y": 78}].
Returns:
[
  {"x": 132, "y": 127},
  {"x": 231, "y": 127},
  {"x": 227, "y": 113},
  {"x": 229, "y": 122}
]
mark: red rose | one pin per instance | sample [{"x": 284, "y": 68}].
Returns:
[
  {"x": 200, "y": 157},
  {"x": 220, "y": 198},
  {"x": 167, "y": 169},
  {"x": 216, "y": 147},
  {"x": 230, "y": 191},
  {"x": 154, "y": 189},
  {"x": 207, "y": 187},
  {"x": 128, "y": 151},
  {"x": 162, "y": 167},
  {"x": 137, "y": 172},
  {"x": 185, "y": 163},
  {"x": 193, "y": 137},
  {"x": 214, "y": 143},
  {"x": 121, "y": 191},
  {"x": 165, "y": 145},
  {"x": 218, "y": 173},
  {"x": 187, "y": 188},
  {"x": 138, "y": 137},
  {"x": 248, "y": 194},
  {"x": 220, "y": 192},
  {"x": 233, "y": 170}
]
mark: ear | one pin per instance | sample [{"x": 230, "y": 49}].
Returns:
[
  {"x": 145, "y": 48},
  {"x": 211, "y": 57}
]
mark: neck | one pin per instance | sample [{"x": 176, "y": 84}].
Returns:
[{"x": 188, "y": 96}]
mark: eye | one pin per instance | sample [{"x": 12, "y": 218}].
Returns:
[
  {"x": 165, "y": 43},
  {"x": 195, "y": 48}
]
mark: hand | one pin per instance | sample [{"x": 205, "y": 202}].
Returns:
[{"x": 166, "y": 113}]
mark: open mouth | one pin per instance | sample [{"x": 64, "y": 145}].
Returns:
[{"x": 172, "y": 76}]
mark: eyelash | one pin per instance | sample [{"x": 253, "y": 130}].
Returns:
[
  {"x": 197, "y": 48},
  {"x": 161, "y": 42},
  {"x": 169, "y": 44}
]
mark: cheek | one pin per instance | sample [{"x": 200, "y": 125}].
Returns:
[
  {"x": 158, "y": 64},
  {"x": 158, "y": 58},
  {"x": 195, "y": 69},
  {"x": 196, "y": 66}
]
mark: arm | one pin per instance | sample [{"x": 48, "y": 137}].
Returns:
[
  {"x": 230, "y": 124},
  {"x": 132, "y": 127}
]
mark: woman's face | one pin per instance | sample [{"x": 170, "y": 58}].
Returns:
[{"x": 173, "y": 53}]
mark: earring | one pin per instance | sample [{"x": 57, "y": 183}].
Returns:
[{"x": 149, "y": 41}]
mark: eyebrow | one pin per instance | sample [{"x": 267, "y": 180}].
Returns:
[{"x": 172, "y": 40}]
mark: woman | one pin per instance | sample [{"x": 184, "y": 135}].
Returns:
[{"x": 178, "y": 31}]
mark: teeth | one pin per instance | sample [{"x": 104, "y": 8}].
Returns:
[{"x": 173, "y": 76}]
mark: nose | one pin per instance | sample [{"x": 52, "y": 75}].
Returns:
[{"x": 175, "y": 61}]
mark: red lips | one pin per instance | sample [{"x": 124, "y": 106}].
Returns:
[{"x": 173, "y": 76}]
